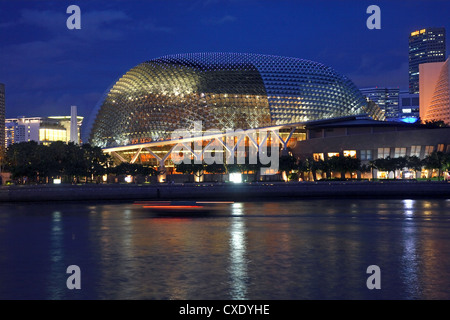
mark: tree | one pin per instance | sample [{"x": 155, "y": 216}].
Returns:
[
  {"x": 97, "y": 161},
  {"x": 216, "y": 168},
  {"x": 385, "y": 164},
  {"x": 400, "y": 163},
  {"x": 287, "y": 164},
  {"x": 414, "y": 163},
  {"x": 302, "y": 167},
  {"x": 365, "y": 168},
  {"x": 436, "y": 160},
  {"x": 22, "y": 160},
  {"x": 343, "y": 164},
  {"x": 132, "y": 169},
  {"x": 434, "y": 124},
  {"x": 196, "y": 169}
]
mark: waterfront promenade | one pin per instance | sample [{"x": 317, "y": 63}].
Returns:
[{"x": 226, "y": 191}]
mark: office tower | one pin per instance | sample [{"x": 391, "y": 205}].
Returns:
[
  {"x": 425, "y": 45},
  {"x": 408, "y": 105},
  {"x": 2, "y": 116},
  {"x": 385, "y": 98}
]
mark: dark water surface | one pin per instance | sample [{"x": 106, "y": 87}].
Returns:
[{"x": 315, "y": 249}]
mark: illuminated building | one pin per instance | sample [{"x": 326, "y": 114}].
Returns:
[
  {"x": 369, "y": 140},
  {"x": 135, "y": 120},
  {"x": 2, "y": 116},
  {"x": 435, "y": 91},
  {"x": 408, "y": 105},
  {"x": 385, "y": 98},
  {"x": 223, "y": 90},
  {"x": 425, "y": 45},
  {"x": 43, "y": 130}
]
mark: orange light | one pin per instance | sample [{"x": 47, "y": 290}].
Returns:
[
  {"x": 415, "y": 33},
  {"x": 171, "y": 207}
]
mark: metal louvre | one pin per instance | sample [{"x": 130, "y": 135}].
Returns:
[{"x": 224, "y": 91}]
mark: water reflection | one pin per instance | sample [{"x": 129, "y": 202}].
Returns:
[
  {"x": 410, "y": 266},
  {"x": 238, "y": 247},
  {"x": 56, "y": 275},
  {"x": 315, "y": 249},
  {"x": 408, "y": 206}
]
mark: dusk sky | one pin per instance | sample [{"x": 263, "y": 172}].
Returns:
[{"x": 46, "y": 67}]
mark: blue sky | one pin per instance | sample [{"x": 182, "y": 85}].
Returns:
[{"x": 47, "y": 68}]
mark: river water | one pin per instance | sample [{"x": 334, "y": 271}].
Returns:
[{"x": 311, "y": 249}]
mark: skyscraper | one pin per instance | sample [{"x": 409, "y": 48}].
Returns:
[
  {"x": 425, "y": 45},
  {"x": 2, "y": 117},
  {"x": 385, "y": 98}
]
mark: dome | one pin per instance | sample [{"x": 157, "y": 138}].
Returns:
[{"x": 223, "y": 91}]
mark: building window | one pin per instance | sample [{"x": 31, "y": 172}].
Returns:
[
  {"x": 384, "y": 152},
  {"x": 366, "y": 154},
  {"x": 350, "y": 153},
  {"x": 415, "y": 151},
  {"x": 428, "y": 150},
  {"x": 399, "y": 152},
  {"x": 440, "y": 148},
  {"x": 332, "y": 154},
  {"x": 318, "y": 156}
]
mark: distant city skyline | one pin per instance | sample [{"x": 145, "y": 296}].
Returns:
[{"x": 47, "y": 68}]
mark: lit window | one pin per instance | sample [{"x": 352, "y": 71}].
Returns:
[
  {"x": 440, "y": 148},
  {"x": 332, "y": 154},
  {"x": 399, "y": 152},
  {"x": 415, "y": 151},
  {"x": 350, "y": 153},
  {"x": 428, "y": 150},
  {"x": 384, "y": 152},
  {"x": 318, "y": 156}
]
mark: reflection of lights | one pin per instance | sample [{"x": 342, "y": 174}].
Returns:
[
  {"x": 409, "y": 257},
  {"x": 237, "y": 209},
  {"x": 408, "y": 205},
  {"x": 427, "y": 204},
  {"x": 56, "y": 253},
  {"x": 238, "y": 267}
]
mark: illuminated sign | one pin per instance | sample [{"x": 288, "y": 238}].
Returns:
[{"x": 422, "y": 31}]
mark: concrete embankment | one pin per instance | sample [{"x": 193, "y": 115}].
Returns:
[{"x": 225, "y": 192}]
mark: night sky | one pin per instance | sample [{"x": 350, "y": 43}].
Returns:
[{"x": 47, "y": 68}]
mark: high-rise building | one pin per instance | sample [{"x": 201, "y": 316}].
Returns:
[
  {"x": 425, "y": 45},
  {"x": 435, "y": 91},
  {"x": 385, "y": 98},
  {"x": 408, "y": 105},
  {"x": 2, "y": 116}
]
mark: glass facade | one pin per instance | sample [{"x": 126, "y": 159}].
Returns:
[
  {"x": 425, "y": 45},
  {"x": 50, "y": 135},
  {"x": 224, "y": 91},
  {"x": 385, "y": 98},
  {"x": 2, "y": 116}
]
